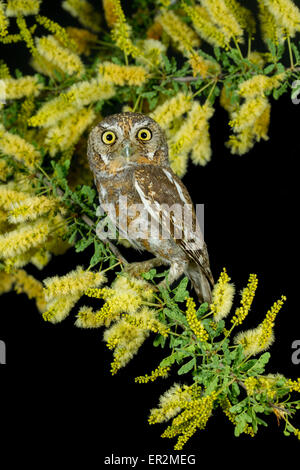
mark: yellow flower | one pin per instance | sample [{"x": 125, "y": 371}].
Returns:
[
  {"x": 26, "y": 34},
  {"x": 159, "y": 372},
  {"x": 31, "y": 208},
  {"x": 286, "y": 14},
  {"x": 222, "y": 16},
  {"x": 73, "y": 283},
  {"x": 194, "y": 416},
  {"x": 183, "y": 36},
  {"x": 242, "y": 15},
  {"x": 82, "y": 38},
  {"x": 294, "y": 385},
  {"x": 171, "y": 109},
  {"x": 123, "y": 74},
  {"x": 189, "y": 131},
  {"x": 250, "y": 340},
  {"x": 27, "y": 284},
  {"x": 79, "y": 95},
  {"x": 40, "y": 258},
  {"x": 268, "y": 323},
  {"x": 59, "y": 308},
  {"x": 270, "y": 30},
  {"x": 126, "y": 340},
  {"x": 247, "y": 298},
  {"x": 109, "y": 12},
  {"x": 86, "y": 318},
  {"x": 22, "y": 7},
  {"x": 250, "y": 384},
  {"x": 4, "y": 70},
  {"x": 241, "y": 143},
  {"x": 16, "y": 88},
  {"x": 59, "y": 32},
  {"x": 18, "y": 148},
  {"x": 4, "y": 22},
  {"x": 259, "y": 84},
  {"x": 68, "y": 131},
  {"x": 204, "y": 26},
  {"x": 201, "y": 151},
  {"x": 152, "y": 51},
  {"x": 188, "y": 134},
  {"x": 222, "y": 297},
  {"x": 202, "y": 67},
  {"x": 261, "y": 125},
  {"x": 9, "y": 196},
  {"x": 6, "y": 282},
  {"x": 248, "y": 112},
  {"x": 257, "y": 58},
  {"x": 24, "y": 237},
  {"x": 170, "y": 404},
  {"x": 62, "y": 58},
  {"x": 121, "y": 31},
  {"x": 145, "y": 318},
  {"x": 84, "y": 12},
  {"x": 193, "y": 321}
]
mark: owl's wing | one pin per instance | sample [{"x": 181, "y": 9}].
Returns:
[{"x": 159, "y": 189}]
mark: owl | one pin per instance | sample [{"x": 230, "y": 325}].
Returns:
[{"x": 147, "y": 203}]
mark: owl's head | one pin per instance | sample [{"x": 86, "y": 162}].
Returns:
[{"x": 125, "y": 140}]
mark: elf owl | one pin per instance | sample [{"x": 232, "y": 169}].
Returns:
[{"x": 145, "y": 200}]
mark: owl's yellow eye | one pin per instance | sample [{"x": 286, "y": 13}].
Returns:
[
  {"x": 144, "y": 134},
  {"x": 108, "y": 137}
]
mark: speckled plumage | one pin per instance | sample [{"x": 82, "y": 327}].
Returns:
[{"x": 140, "y": 171}]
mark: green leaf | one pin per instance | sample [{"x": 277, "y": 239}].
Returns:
[
  {"x": 296, "y": 52},
  {"x": 280, "y": 68},
  {"x": 176, "y": 315},
  {"x": 269, "y": 68},
  {"x": 167, "y": 361},
  {"x": 259, "y": 367},
  {"x": 159, "y": 341},
  {"x": 187, "y": 367},
  {"x": 212, "y": 385},
  {"x": 89, "y": 192},
  {"x": 180, "y": 292},
  {"x": 235, "y": 389},
  {"x": 82, "y": 244},
  {"x": 277, "y": 92},
  {"x": 98, "y": 254},
  {"x": 248, "y": 365},
  {"x": 149, "y": 276},
  {"x": 202, "y": 309}
]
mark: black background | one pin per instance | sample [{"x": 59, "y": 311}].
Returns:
[{"x": 56, "y": 386}]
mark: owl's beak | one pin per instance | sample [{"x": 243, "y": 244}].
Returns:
[{"x": 126, "y": 150}]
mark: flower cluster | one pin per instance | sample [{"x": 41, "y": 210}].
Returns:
[
  {"x": 194, "y": 416},
  {"x": 222, "y": 297},
  {"x": 193, "y": 321},
  {"x": 260, "y": 338},
  {"x": 246, "y": 301}
]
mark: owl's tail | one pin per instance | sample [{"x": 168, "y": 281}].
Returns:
[{"x": 201, "y": 280}]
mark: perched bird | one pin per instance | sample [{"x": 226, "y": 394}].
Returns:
[{"x": 128, "y": 155}]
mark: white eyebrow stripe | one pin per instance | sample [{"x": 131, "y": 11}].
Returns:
[{"x": 140, "y": 124}]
